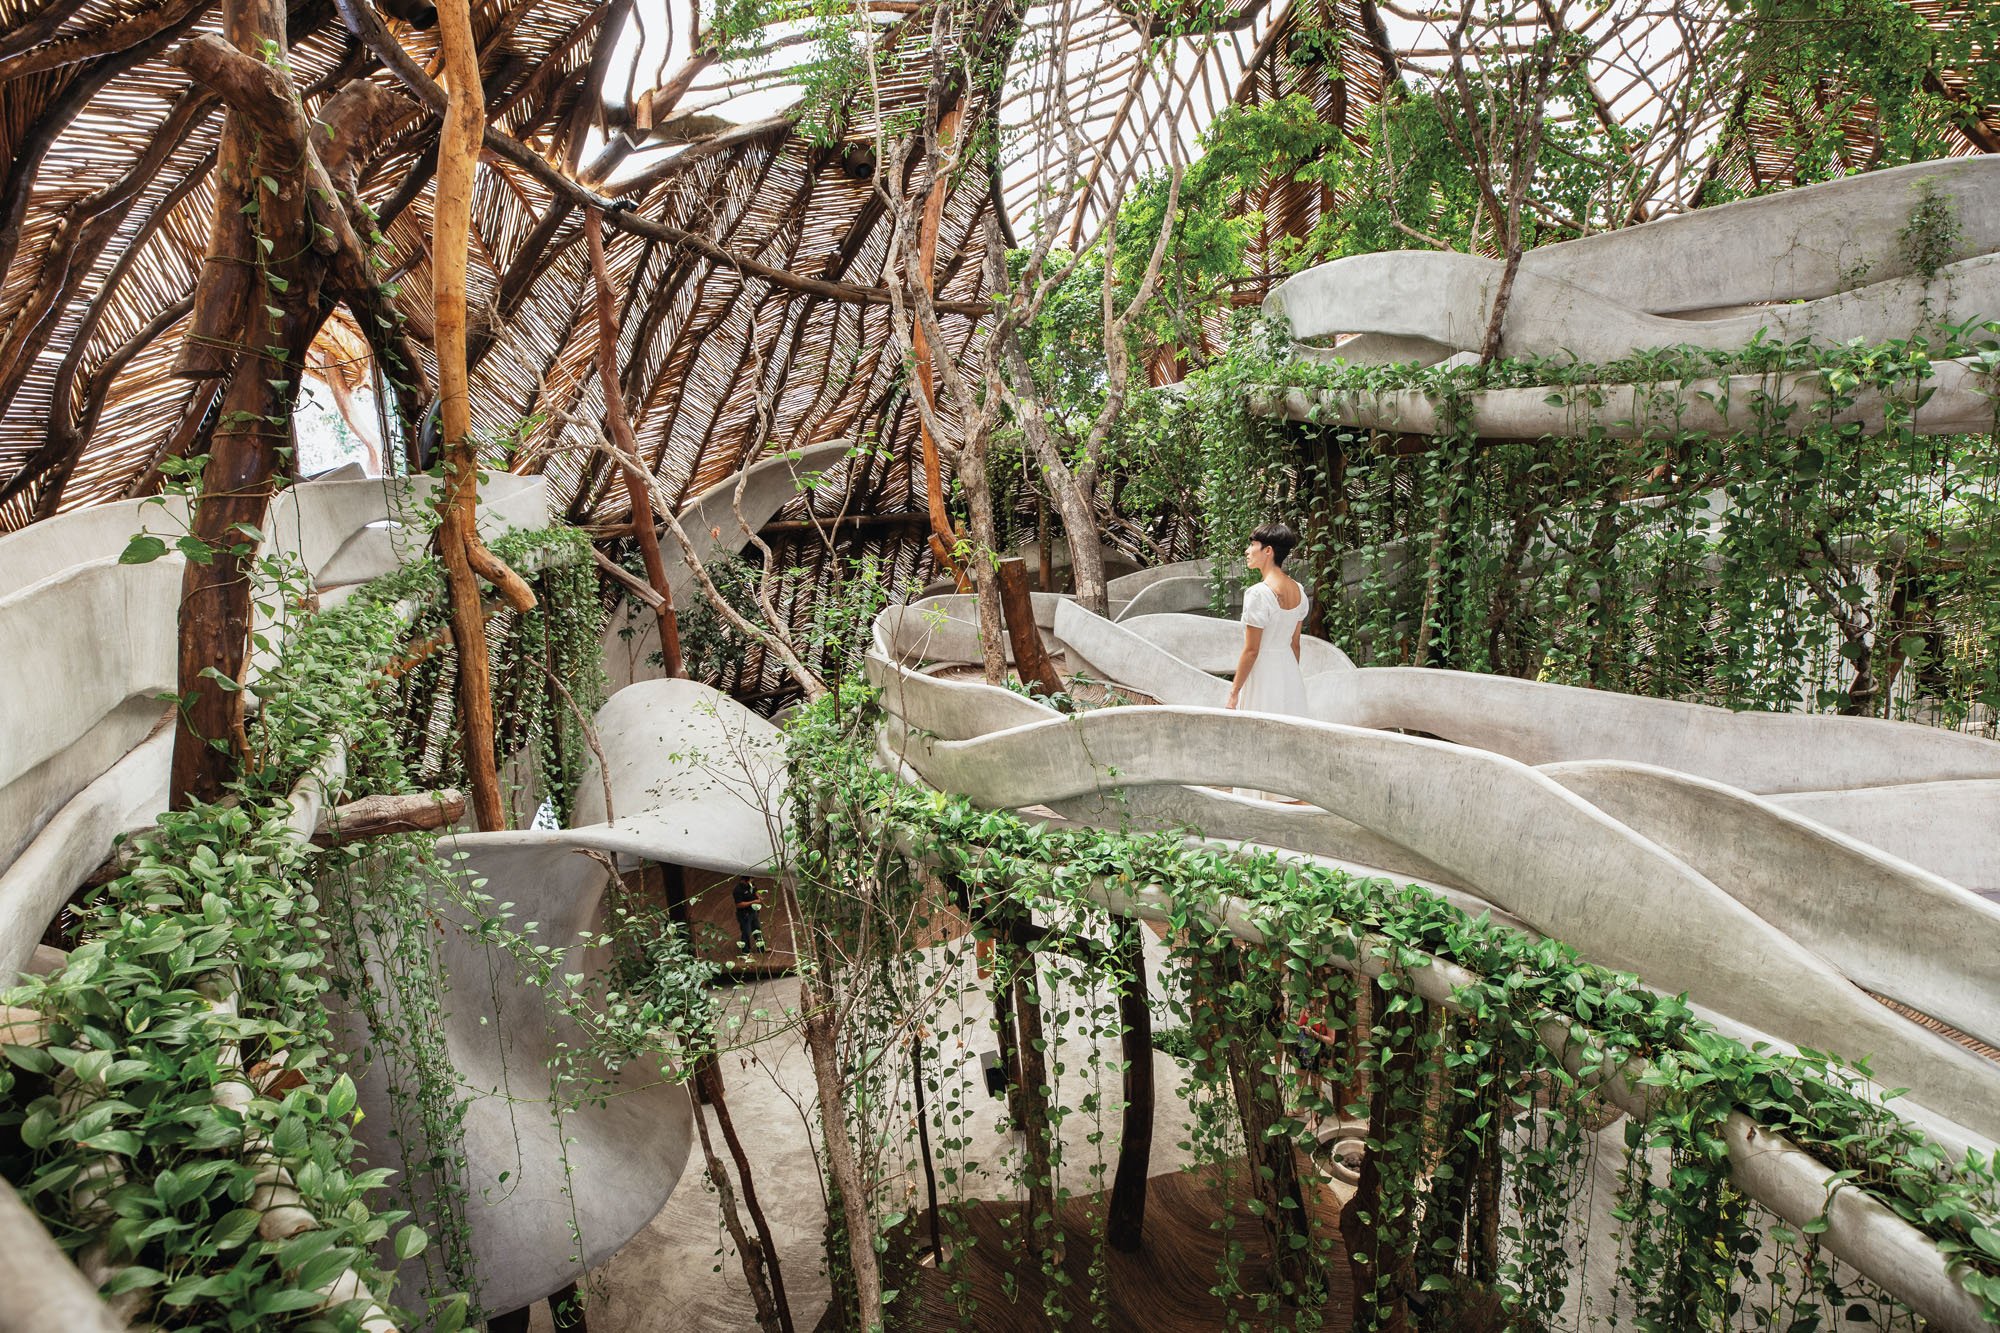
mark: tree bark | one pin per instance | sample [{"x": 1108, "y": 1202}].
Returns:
[
  {"x": 1274, "y": 1165},
  {"x": 985, "y": 536},
  {"x": 274, "y": 323},
  {"x": 1125, "y": 1221},
  {"x": 1031, "y": 656},
  {"x": 379, "y": 816},
  {"x": 822, "y": 1044},
  {"x": 943, "y": 539},
  {"x": 1376, "y": 1251},
  {"x": 753, "y": 1253},
  {"x": 464, "y": 555},
  {"x": 636, "y": 492},
  {"x": 1033, "y": 1103}
]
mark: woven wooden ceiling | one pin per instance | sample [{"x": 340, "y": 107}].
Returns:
[{"x": 106, "y": 201}]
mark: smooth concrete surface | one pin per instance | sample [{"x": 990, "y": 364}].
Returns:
[
  {"x": 696, "y": 779},
  {"x": 1949, "y": 828},
  {"x": 84, "y": 657},
  {"x": 1886, "y": 924},
  {"x": 1214, "y": 645},
  {"x": 1955, "y": 398},
  {"x": 128, "y": 795},
  {"x": 1506, "y": 832},
  {"x": 555, "y": 1186},
  {"x": 1541, "y": 723},
  {"x": 1445, "y": 299},
  {"x": 1116, "y": 654},
  {"x": 1833, "y": 255}
]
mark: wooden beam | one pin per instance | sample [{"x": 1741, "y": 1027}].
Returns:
[
  {"x": 807, "y": 527},
  {"x": 1017, "y": 604},
  {"x": 364, "y": 23},
  {"x": 458, "y": 499},
  {"x": 380, "y": 816},
  {"x": 637, "y": 482}
]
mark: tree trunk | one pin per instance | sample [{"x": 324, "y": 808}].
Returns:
[
  {"x": 1031, "y": 656},
  {"x": 985, "y": 539},
  {"x": 1274, "y": 1163},
  {"x": 1125, "y": 1221},
  {"x": 943, "y": 539},
  {"x": 1033, "y": 1119},
  {"x": 1376, "y": 1248},
  {"x": 823, "y": 1046},
  {"x": 261, "y": 353},
  {"x": 637, "y": 494},
  {"x": 464, "y": 556}
]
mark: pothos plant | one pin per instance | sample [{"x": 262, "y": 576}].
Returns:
[
  {"x": 206, "y": 966},
  {"x": 1824, "y": 555},
  {"x": 1477, "y": 1135}
]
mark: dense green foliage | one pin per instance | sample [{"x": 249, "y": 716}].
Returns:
[
  {"x": 209, "y": 962},
  {"x": 1851, "y": 566},
  {"x": 1455, "y": 1088}
]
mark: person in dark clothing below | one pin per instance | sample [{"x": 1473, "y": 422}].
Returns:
[{"x": 747, "y": 903}]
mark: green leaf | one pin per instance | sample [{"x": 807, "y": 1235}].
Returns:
[
  {"x": 340, "y": 1098},
  {"x": 142, "y": 550},
  {"x": 223, "y": 682},
  {"x": 234, "y": 1228},
  {"x": 410, "y": 1242}
]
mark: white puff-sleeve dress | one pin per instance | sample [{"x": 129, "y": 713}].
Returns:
[{"x": 1276, "y": 683}]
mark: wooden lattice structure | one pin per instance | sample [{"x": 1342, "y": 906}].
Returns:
[{"x": 751, "y": 261}]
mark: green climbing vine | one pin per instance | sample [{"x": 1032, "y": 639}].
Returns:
[
  {"x": 174, "y": 1102},
  {"x": 1821, "y": 554},
  {"x": 1477, "y": 1133}
]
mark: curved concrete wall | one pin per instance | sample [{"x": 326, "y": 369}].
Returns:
[
  {"x": 1213, "y": 645},
  {"x": 1541, "y": 723},
  {"x": 1827, "y": 260},
  {"x": 1506, "y": 832},
  {"x": 1951, "y": 829},
  {"x": 1884, "y": 923}
]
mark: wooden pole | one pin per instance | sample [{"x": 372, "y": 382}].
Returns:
[
  {"x": 239, "y": 329},
  {"x": 465, "y": 557},
  {"x": 1125, "y": 1219},
  {"x": 637, "y": 493},
  {"x": 378, "y": 816},
  {"x": 1031, "y": 657},
  {"x": 943, "y": 539}
]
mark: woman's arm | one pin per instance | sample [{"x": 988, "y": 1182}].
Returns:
[
  {"x": 1298, "y": 631},
  {"x": 1253, "y": 639}
]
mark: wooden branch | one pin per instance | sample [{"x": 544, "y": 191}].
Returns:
[
  {"x": 809, "y": 527},
  {"x": 458, "y": 498},
  {"x": 120, "y": 36},
  {"x": 380, "y": 816},
  {"x": 633, "y": 584},
  {"x": 943, "y": 539},
  {"x": 1031, "y": 656},
  {"x": 634, "y": 469},
  {"x": 366, "y": 25}
]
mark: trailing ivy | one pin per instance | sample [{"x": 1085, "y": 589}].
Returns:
[
  {"x": 209, "y": 962},
  {"x": 1792, "y": 563},
  {"x": 1463, "y": 1105}
]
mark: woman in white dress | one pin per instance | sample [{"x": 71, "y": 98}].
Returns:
[{"x": 1268, "y": 678}]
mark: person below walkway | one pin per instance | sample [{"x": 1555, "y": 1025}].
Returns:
[
  {"x": 1268, "y": 676},
  {"x": 745, "y": 896}
]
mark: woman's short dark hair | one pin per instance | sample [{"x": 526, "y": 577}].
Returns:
[{"x": 1279, "y": 538}]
